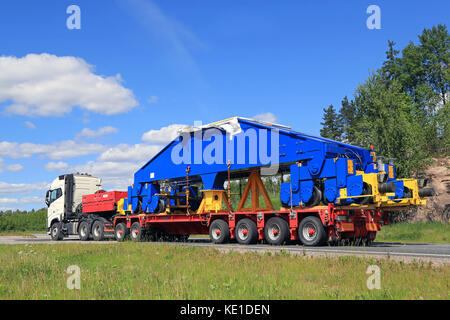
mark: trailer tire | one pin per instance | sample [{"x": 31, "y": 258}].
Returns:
[
  {"x": 246, "y": 232},
  {"x": 121, "y": 232},
  {"x": 219, "y": 232},
  {"x": 276, "y": 231},
  {"x": 136, "y": 232},
  {"x": 83, "y": 231},
  {"x": 56, "y": 232},
  {"x": 311, "y": 232},
  {"x": 98, "y": 230}
]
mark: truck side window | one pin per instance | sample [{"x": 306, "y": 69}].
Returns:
[{"x": 55, "y": 194}]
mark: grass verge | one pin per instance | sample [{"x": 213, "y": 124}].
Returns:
[
  {"x": 419, "y": 232},
  {"x": 156, "y": 271}
]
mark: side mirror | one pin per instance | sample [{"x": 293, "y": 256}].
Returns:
[{"x": 47, "y": 198}]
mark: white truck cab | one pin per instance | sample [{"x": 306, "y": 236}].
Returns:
[{"x": 64, "y": 202}]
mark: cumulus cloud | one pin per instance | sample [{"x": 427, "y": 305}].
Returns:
[
  {"x": 21, "y": 188},
  {"x": 125, "y": 152},
  {"x": 14, "y": 167},
  {"x": 115, "y": 175},
  {"x": 89, "y": 133},
  {"x": 56, "y": 166},
  {"x": 20, "y": 201},
  {"x": 48, "y": 85},
  {"x": 55, "y": 151},
  {"x": 163, "y": 135},
  {"x": 11, "y": 167},
  {"x": 267, "y": 117}
]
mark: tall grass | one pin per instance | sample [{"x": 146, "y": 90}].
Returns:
[
  {"x": 23, "y": 221},
  {"x": 155, "y": 271}
]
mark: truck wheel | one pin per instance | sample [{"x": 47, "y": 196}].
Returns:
[
  {"x": 276, "y": 231},
  {"x": 311, "y": 232},
  {"x": 136, "y": 232},
  {"x": 246, "y": 232},
  {"x": 121, "y": 232},
  {"x": 83, "y": 231},
  {"x": 56, "y": 232},
  {"x": 98, "y": 230},
  {"x": 219, "y": 232}
]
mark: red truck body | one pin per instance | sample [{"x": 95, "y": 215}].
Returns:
[{"x": 102, "y": 201}]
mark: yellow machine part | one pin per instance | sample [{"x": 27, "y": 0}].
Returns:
[
  {"x": 120, "y": 210},
  {"x": 212, "y": 201},
  {"x": 382, "y": 199}
]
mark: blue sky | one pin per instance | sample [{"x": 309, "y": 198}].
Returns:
[{"x": 141, "y": 65}]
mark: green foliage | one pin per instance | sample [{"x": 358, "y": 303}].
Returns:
[
  {"x": 332, "y": 127},
  {"x": 23, "y": 220},
  {"x": 402, "y": 108}
]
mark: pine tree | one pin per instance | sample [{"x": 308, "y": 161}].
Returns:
[{"x": 331, "y": 125}]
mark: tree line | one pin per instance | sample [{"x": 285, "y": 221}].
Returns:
[{"x": 403, "y": 108}]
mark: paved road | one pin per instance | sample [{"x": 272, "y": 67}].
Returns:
[{"x": 412, "y": 250}]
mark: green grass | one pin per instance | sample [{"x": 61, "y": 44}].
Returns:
[
  {"x": 19, "y": 233},
  {"x": 153, "y": 271},
  {"x": 419, "y": 232}
]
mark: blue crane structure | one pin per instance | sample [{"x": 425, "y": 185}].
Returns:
[{"x": 320, "y": 170}]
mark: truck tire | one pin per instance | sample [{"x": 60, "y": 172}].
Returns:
[
  {"x": 121, "y": 232},
  {"x": 56, "y": 232},
  {"x": 83, "y": 231},
  {"x": 311, "y": 232},
  {"x": 276, "y": 231},
  {"x": 246, "y": 232},
  {"x": 219, "y": 232},
  {"x": 98, "y": 231},
  {"x": 136, "y": 232}
]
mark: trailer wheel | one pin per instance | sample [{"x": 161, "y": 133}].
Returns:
[
  {"x": 56, "y": 232},
  {"x": 311, "y": 232},
  {"x": 276, "y": 231},
  {"x": 98, "y": 230},
  {"x": 121, "y": 232},
  {"x": 315, "y": 198},
  {"x": 136, "y": 232},
  {"x": 246, "y": 232},
  {"x": 83, "y": 231},
  {"x": 219, "y": 232}
]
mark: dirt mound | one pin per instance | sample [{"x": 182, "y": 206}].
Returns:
[{"x": 438, "y": 206}]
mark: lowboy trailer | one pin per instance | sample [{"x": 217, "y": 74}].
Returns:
[{"x": 333, "y": 192}]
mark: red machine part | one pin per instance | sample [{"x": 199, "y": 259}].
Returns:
[{"x": 102, "y": 201}]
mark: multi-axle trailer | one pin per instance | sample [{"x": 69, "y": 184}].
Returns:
[{"x": 329, "y": 191}]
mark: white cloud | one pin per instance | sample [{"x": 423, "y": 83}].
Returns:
[
  {"x": 163, "y": 135},
  {"x": 55, "y": 151},
  {"x": 267, "y": 117},
  {"x": 30, "y": 125},
  {"x": 48, "y": 85},
  {"x": 115, "y": 175},
  {"x": 14, "y": 167},
  {"x": 134, "y": 153},
  {"x": 22, "y": 188},
  {"x": 56, "y": 166},
  {"x": 89, "y": 133},
  {"x": 20, "y": 201}
]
